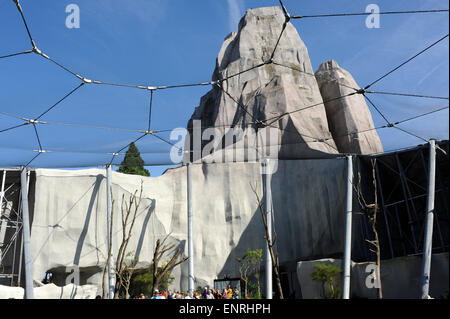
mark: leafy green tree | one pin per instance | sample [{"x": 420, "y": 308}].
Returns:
[
  {"x": 328, "y": 275},
  {"x": 133, "y": 163},
  {"x": 251, "y": 261}
]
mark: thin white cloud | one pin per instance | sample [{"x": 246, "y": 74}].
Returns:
[
  {"x": 426, "y": 76},
  {"x": 235, "y": 8}
]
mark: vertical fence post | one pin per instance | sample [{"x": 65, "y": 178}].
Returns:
[
  {"x": 428, "y": 236},
  {"x": 268, "y": 205},
  {"x": 190, "y": 226},
  {"x": 348, "y": 229},
  {"x": 29, "y": 292},
  {"x": 110, "y": 241}
]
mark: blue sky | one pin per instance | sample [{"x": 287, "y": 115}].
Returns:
[{"x": 164, "y": 42}]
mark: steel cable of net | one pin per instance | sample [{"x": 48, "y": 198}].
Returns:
[
  {"x": 24, "y": 22},
  {"x": 382, "y": 77},
  {"x": 270, "y": 124},
  {"x": 37, "y": 137},
  {"x": 101, "y": 165},
  {"x": 136, "y": 140},
  {"x": 409, "y": 95},
  {"x": 278, "y": 117},
  {"x": 150, "y": 111},
  {"x": 421, "y": 115},
  {"x": 35, "y": 121},
  {"x": 15, "y": 54},
  {"x": 166, "y": 141},
  {"x": 412, "y": 134},
  {"x": 324, "y": 139},
  {"x": 95, "y": 127},
  {"x": 311, "y": 74},
  {"x": 60, "y": 65},
  {"x": 27, "y": 164},
  {"x": 134, "y": 130},
  {"x": 313, "y": 139},
  {"x": 60, "y": 151},
  {"x": 128, "y": 145},
  {"x": 389, "y": 124},
  {"x": 28, "y": 121},
  {"x": 368, "y": 13},
  {"x": 287, "y": 18},
  {"x": 62, "y": 99},
  {"x": 407, "y": 61},
  {"x": 13, "y": 127},
  {"x": 85, "y": 80},
  {"x": 377, "y": 109},
  {"x": 33, "y": 44},
  {"x": 175, "y": 86},
  {"x": 385, "y": 126},
  {"x": 393, "y": 150},
  {"x": 283, "y": 28},
  {"x": 244, "y": 108},
  {"x": 377, "y": 80}
]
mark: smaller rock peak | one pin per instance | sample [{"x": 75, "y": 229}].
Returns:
[{"x": 329, "y": 65}]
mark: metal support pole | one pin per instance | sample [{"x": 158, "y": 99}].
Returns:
[
  {"x": 348, "y": 229},
  {"x": 443, "y": 197},
  {"x": 190, "y": 228},
  {"x": 268, "y": 205},
  {"x": 18, "y": 228},
  {"x": 428, "y": 236},
  {"x": 110, "y": 241},
  {"x": 29, "y": 293}
]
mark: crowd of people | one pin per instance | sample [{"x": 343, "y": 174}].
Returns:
[{"x": 226, "y": 293}]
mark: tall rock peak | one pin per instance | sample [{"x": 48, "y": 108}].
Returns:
[{"x": 284, "y": 95}]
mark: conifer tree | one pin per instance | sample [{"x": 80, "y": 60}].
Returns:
[{"x": 133, "y": 163}]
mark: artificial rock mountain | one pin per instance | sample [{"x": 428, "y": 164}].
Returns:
[
  {"x": 285, "y": 94},
  {"x": 308, "y": 196}
]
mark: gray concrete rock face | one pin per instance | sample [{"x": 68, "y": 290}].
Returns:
[
  {"x": 69, "y": 227},
  {"x": 349, "y": 114},
  {"x": 268, "y": 91}
]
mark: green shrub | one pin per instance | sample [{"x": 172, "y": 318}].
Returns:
[
  {"x": 328, "y": 275},
  {"x": 142, "y": 283}
]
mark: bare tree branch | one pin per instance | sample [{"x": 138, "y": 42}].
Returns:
[
  {"x": 124, "y": 271},
  {"x": 371, "y": 211},
  {"x": 161, "y": 248},
  {"x": 269, "y": 243}
]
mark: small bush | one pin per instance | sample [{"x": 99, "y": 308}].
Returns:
[{"x": 328, "y": 274}]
